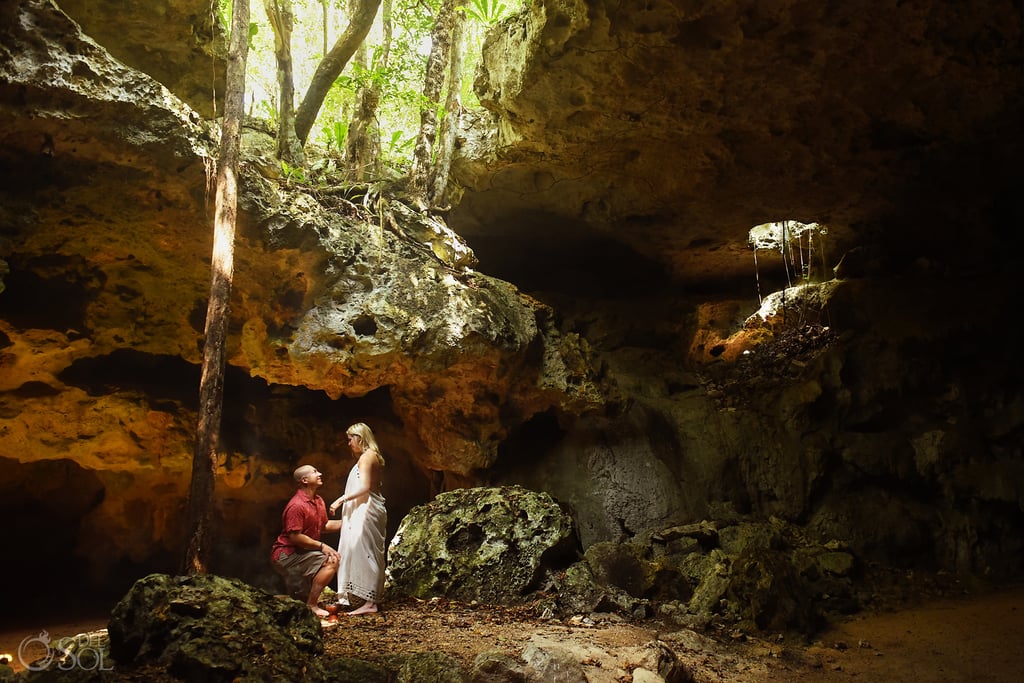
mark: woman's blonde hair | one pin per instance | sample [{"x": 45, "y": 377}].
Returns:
[{"x": 366, "y": 439}]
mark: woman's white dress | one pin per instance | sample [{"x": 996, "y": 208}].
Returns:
[{"x": 361, "y": 546}]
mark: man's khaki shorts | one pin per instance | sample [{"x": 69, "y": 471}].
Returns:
[{"x": 298, "y": 570}]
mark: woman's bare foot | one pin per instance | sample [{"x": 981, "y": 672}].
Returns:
[
  {"x": 365, "y": 608},
  {"x": 322, "y": 613}
]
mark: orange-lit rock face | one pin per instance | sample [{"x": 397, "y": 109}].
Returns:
[{"x": 334, "y": 320}]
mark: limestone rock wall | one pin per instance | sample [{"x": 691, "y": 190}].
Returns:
[
  {"x": 673, "y": 127},
  {"x": 180, "y": 43},
  {"x": 638, "y": 144},
  {"x": 337, "y": 316},
  {"x": 894, "y": 429},
  {"x": 620, "y": 363}
]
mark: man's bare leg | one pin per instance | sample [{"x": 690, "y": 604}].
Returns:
[{"x": 323, "y": 577}]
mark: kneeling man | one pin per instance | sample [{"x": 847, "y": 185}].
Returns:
[{"x": 299, "y": 556}]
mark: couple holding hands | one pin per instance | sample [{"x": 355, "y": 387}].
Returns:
[{"x": 306, "y": 563}]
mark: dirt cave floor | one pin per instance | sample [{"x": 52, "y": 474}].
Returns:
[
  {"x": 966, "y": 638},
  {"x": 974, "y": 636}
]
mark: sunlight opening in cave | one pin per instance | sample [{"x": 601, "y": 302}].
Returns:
[{"x": 801, "y": 245}]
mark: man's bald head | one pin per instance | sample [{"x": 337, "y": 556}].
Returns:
[{"x": 303, "y": 471}]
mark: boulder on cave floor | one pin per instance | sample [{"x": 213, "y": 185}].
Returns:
[
  {"x": 211, "y": 628},
  {"x": 493, "y": 545},
  {"x": 751, "y": 575},
  {"x": 508, "y": 545}
]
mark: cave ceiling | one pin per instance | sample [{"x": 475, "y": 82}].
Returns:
[
  {"x": 672, "y": 127},
  {"x": 653, "y": 135},
  {"x": 622, "y": 147},
  {"x": 180, "y": 43}
]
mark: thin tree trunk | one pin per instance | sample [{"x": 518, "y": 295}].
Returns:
[
  {"x": 281, "y": 17},
  {"x": 325, "y": 5},
  {"x": 362, "y": 148},
  {"x": 332, "y": 65},
  {"x": 453, "y": 112},
  {"x": 360, "y": 144},
  {"x": 211, "y": 385},
  {"x": 437, "y": 63}
]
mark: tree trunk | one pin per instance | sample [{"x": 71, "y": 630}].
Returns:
[
  {"x": 279, "y": 12},
  {"x": 441, "y": 168},
  {"x": 362, "y": 148},
  {"x": 325, "y": 4},
  {"x": 333, "y": 64},
  {"x": 211, "y": 385},
  {"x": 437, "y": 63}
]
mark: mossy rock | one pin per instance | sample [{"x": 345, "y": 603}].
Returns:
[
  {"x": 487, "y": 544},
  {"x": 349, "y": 670},
  {"x": 212, "y": 628}
]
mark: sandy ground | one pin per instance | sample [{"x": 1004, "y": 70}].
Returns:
[
  {"x": 973, "y": 639},
  {"x": 970, "y": 638}
]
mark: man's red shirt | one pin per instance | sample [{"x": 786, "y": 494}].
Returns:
[{"x": 303, "y": 514}]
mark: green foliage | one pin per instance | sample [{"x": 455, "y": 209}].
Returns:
[
  {"x": 266, "y": 109},
  {"x": 335, "y": 135},
  {"x": 487, "y": 12},
  {"x": 224, "y": 9},
  {"x": 414, "y": 17},
  {"x": 321, "y": 172},
  {"x": 292, "y": 173},
  {"x": 254, "y": 28},
  {"x": 323, "y": 169},
  {"x": 400, "y": 81},
  {"x": 399, "y": 145}
]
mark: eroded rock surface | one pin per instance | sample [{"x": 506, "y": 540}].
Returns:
[
  {"x": 493, "y": 545},
  {"x": 672, "y": 128},
  {"x": 180, "y": 43},
  {"x": 338, "y": 315},
  {"x": 215, "y": 629},
  {"x": 627, "y": 152}
]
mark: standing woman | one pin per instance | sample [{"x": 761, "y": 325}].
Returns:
[{"x": 364, "y": 522}]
